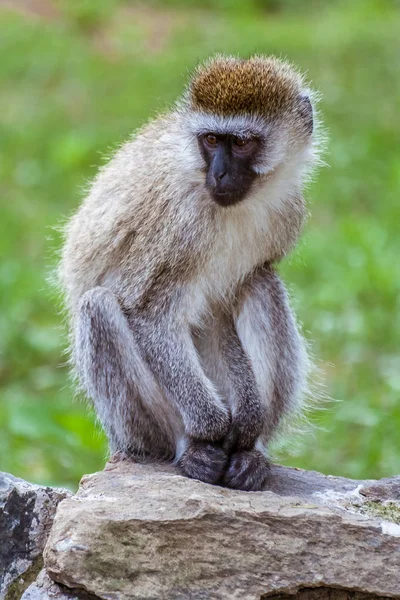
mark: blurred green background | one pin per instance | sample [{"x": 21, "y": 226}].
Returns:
[{"x": 76, "y": 78}]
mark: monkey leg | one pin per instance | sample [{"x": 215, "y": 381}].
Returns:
[
  {"x": 126, "y": 397},
  {"x": 268, "y": 332}
]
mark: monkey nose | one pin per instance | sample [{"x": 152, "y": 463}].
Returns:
[{"x": 215, "y": 179}]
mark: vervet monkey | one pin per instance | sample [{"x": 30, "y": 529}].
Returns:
[{"x": 181, "y": 330}]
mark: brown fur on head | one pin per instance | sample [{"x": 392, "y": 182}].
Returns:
[{"x": 263, "y": 86}]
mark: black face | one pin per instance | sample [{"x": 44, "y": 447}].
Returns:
[{"x": 229, "y": 161}]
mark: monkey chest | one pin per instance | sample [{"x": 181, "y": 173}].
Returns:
[{"x": 232, "y": 258}]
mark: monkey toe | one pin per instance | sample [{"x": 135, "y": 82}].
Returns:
[
  {"x": 247, "y": 470},
  {"x": 203, "y": 461}
]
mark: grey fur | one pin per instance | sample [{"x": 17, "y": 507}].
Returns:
[{"x": 181, "y": 330}]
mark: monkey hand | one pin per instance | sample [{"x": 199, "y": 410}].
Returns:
[
  {"x": 247, "y": 470},
  {"x": 203, "y": 461},
  {"x": 208, "y": 423}
]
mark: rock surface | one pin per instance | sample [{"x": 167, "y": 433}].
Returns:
[
  {"x": 44, "y": 588},
  {"x": 26, "y": 516},
  {"x": 144, "y": 532}
]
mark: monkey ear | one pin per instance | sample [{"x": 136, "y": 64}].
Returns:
[{"x": 306, "y": 113}]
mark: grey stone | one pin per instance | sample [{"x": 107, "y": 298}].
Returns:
[
  {"x": 26, "y": 516},
  {"x": 323, "y": 593},
  {"x": 45, "y": 588},
  {"x": 144, "y": 532}
]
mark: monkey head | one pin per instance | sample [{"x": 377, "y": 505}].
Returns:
[{"x": 246, "y": 118}]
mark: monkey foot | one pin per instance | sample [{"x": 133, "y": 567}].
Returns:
[
  {"x": 247, "y": 470},
  {"x": 203, "y": 461}
]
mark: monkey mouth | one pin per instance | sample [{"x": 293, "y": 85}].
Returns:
[{"x": 226, "y": 198}]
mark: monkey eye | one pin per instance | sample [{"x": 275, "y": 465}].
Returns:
[
  {"x": 211, "y": 139},
  {"x": 238, "y": 141}
]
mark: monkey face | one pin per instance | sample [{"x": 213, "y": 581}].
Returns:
[{"x": 229, "y": 165}]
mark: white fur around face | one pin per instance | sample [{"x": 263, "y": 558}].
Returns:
[{"x": 240, "y": 125}]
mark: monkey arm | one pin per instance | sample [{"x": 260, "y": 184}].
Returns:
[
  {"x": 248, "y": 410},
  {"x": 169, "y": 351}
]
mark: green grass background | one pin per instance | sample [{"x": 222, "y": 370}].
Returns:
[{"x": 76, "y": 78}]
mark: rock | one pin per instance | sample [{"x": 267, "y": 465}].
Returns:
[
  {"x": 144, "y": 532},
  {"x": 45, "y": 588},
  {"x": 323, "y": 593},
  {"x": 26, "y": 516}
]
